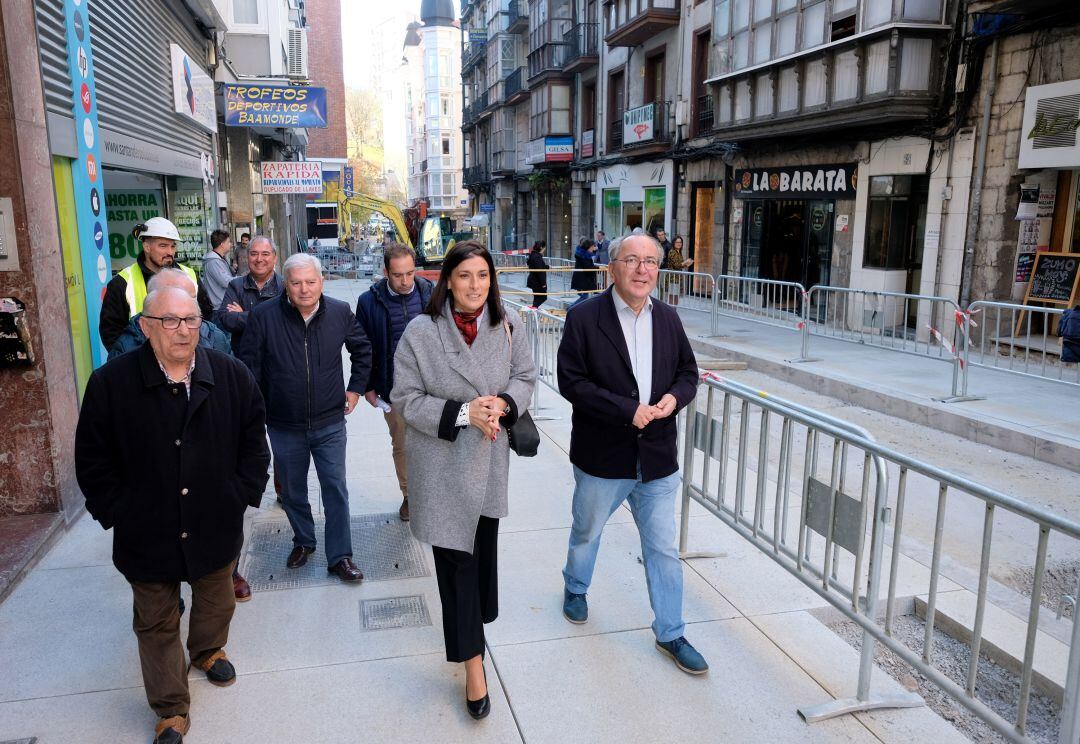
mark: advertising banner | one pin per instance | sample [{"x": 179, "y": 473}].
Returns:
[
  {"x": 193, "y": 90},
  {"x": 275, "y": 106},
  {"x": 86, "y": 169},
  {"x": 588, "y": 139},
  {"x": 292, "y": 178},
  {"x": 559, "y": 149},
  {"x": 638, "y": 124},
  {"x": 125, "y": 209}
]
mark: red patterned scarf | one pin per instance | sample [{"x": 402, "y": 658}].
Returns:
[{"x": 466, "y": 323}]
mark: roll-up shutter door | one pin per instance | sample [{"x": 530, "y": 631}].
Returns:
[{"x": 132, "y": 68}]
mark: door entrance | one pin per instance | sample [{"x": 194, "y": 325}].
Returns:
[{"x": 788, "y": 240}]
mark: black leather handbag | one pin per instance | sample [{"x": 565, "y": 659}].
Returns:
[{"x": 523, "y": 435}]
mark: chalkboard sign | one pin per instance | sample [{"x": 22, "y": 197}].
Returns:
[{"x": 1053, "y": 278}]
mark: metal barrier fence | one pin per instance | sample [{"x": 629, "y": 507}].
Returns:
[
  {"x": 336, "y": 261},
  {"x": 818, "y": 531},
  {"x": 765, "y": 301},
  {"x": 688, "y": 290},
  {"x": 1014, "y": 338}
]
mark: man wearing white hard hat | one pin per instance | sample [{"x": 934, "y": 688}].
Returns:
[{"x": 124, "y": 295}]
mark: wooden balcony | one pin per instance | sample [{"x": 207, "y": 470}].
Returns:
[{"x": 633, "y": 22}]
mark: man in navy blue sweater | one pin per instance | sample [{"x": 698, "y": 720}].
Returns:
[
  {"x": 383, "y": 312},
  {"x": 292, "y": 344}
]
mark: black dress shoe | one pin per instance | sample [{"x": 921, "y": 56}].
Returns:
[
  {"x": 346, "y": 570},
  {"x": 298, "y": 556},
  {"x": 479, "y": 708}
]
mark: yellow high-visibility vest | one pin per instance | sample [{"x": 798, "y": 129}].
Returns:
[{"x": 135, "y": 293}]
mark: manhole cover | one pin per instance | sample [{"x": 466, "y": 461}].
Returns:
[
  {"x": 383, "y": 548},
  {"x": 394, "y": 612}
]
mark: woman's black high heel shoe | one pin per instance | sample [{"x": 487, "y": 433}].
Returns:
[{"x": 479, "y": 708}]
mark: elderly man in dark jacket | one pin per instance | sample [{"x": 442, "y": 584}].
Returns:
[
  {"x": 383, "y": 312},
  {"x": 626, "y": 366},
  {"x": 177, "y": 507},
  {"x": 293, "y": 346}
]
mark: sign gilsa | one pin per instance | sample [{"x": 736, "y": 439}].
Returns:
[
  {"x": 292, "y": 178},
  {"x": 817, "y": 181},
  {"x": 275, "y": 106}
]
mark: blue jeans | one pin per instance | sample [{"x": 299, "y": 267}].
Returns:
[
  {"x": 294, "y": 449},
  {"x": 653, "y": 506}
]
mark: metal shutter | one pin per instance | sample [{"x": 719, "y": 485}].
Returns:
[{"x": 132, "y": 68}]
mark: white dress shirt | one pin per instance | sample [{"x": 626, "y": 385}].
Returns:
[{"x": 637, "y": 330}]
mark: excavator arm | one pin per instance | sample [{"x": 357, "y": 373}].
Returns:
[{"x": 387, "y": 209}]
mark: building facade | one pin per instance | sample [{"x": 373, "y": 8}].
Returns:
[{"x": 433, "y": 112}]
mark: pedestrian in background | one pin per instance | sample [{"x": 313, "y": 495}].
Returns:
[
  {"x": 216, "y": 269},
  {"x": 126, "y": 292},
  {"x": 170, "y": 450},
  {"x": 240, "y": 255},
  {"x": 462, "y": 376},
  {"x": 383, "y": 312},
  {"x": 676, "y": 262},
  {"x": 626, "y": 366},
  {"x": 293, "y": 346},
  {"x": 583, "y": 280},
  {"x": 244, "y": 293},
  {"x": 537, "y": 279},
  {"x": 602, "y": 245}
]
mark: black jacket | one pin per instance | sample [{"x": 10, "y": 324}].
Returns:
[
  {"x": 584, "y": 278},
  {"x": 246, "y": 293},
  {"x": 537, "y": 280},
  {"x": 172, "y": 476},
  {"x": 298, "y": 366},
  {"x": 1069, "y": 330},
  {"x": 596, "y": 377},
  {"x": 115, "y": 314},
  {"x": 373, "y": 314}
]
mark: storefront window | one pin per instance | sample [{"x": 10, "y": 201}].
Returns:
[
  {"x": 655, "y": 214},
  {"x": 631, "y": 216},
  {"x": 611, "y": 212},
  {"x": 130, "y": 198},
  {"x": 892, "y": 239},
  {"x": 188, "y": 211}
]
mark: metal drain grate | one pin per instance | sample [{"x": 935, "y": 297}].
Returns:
[
  {"x": 383, "y": 548},
  {"x": 394, "y": 612}
]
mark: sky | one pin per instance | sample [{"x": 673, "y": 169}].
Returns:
[{"x": 358, "y": 17}]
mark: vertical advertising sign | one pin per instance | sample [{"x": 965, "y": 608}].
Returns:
[{"x": 86, "y": 169}]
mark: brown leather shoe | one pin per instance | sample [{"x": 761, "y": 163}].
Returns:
[
  {"x": 298, "y": 556},
  {"x": 171, "y": 730},
  {"x": 403, "y": 512},
  {"x": 346, "y": 570},
  {"x": 241, "y": 589}
]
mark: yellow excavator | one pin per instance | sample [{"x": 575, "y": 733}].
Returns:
[{"x": 430, "y": 237}]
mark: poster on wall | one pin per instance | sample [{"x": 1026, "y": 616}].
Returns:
[
  {"x": 189, "y": 216},
  {"x": 124, "y": 209},
  {"x": 86, "y": 173}
]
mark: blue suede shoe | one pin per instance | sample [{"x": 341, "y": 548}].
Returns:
[
  {"x": 575, "y": 608},
  {"x": 685, "y": 656}
]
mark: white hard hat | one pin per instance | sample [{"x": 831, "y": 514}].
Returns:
[{"x": 159, "y": 227}]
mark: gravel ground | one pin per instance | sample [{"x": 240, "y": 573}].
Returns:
[
  {"x": 1059, "y": 580},
  {"x": 997, "y": 687}
]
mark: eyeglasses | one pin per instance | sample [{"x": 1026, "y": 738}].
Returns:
[
  {"x": 632, "y": 262},
  {"x": 171, "y": 322}
]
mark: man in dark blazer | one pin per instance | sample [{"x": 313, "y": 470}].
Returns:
[
  {"x": 170, "y": 450},
  {"x": 626, "y": 366}
]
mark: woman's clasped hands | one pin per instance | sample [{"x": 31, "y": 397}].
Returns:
[{"x": 485, "y": 413}]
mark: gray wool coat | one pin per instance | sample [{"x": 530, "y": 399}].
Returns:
[{"x": 453, "y": 483}]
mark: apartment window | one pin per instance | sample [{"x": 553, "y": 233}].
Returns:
[
  {"x": 445, "y": 145},
  {"x": 741, "y": 13},
  {"x": 763, "y": 96},
  {"x": 740, "y": 50},
  {"x": 721, "y": 18},
  {"x": 922, "y": 10},
  {"x": 877, "y": 67},
  {"x": 916, "y": 56},
  {"x": 878, "y": 12},
  {"x": 445, "y": 103},
  {"x": 246, "y": 12},
  {"x": 762, "y": 42},
  {"x": 845, "y": 76},
  {"x": 654, "y": 78},
  {"x": 742, "y": 100},
  {"x": 814, "y": 85},
  {"x": 588, "y": 105},
  {"x": 786, "y": 34},
  {"x": 762, "y": 10},
  {"x": 722, "y": 109},
  {"x": 813, "y": 26},
  {"x": 616, "y": 102},
  {"x": 788, "y": 88}
]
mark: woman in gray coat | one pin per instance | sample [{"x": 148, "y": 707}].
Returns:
[{"x": 463, "y": 373}]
